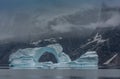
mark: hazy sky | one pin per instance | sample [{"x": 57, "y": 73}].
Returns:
[
  {"x": 10, "y": 4},
  {"x": 22, "y": 17}
]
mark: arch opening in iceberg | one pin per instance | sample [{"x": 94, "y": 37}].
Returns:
[
  {"x": 47, "y": 57},
  {"x": 43, "y": 50}
]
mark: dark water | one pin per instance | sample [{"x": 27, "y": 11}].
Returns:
[
  {"x": 59, "y": 74},
  {"x": 52, "y": 77}
]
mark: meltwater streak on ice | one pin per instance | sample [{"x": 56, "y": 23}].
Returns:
[{"x": 29, "y": 59}]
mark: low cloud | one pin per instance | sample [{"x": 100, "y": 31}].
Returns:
[
  {"x": 62, "y": 28},
  {"x": 113, "y": 21},
  {"x": 29, "y": 23}
]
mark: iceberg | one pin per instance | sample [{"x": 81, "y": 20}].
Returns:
[{"x": 29, "y": 59}]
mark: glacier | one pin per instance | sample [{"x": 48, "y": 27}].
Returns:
[{"x": 29, "y": 59}]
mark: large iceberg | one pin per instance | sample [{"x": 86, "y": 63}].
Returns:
[{"x": 29, "y": 59}]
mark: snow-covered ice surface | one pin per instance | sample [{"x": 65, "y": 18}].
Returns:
[{"x": 29, "y": 59}]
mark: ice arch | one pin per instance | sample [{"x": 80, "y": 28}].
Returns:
[
  {"x": 29, "y": 57},
  {"x": 44, "y": 50}
]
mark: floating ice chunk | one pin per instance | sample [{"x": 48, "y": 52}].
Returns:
[
  {"x": 29, "y": 58},
  {"x": 89, "y": 59}
]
